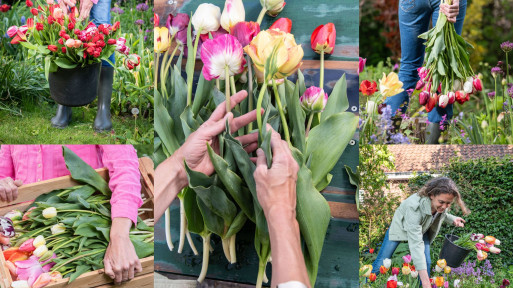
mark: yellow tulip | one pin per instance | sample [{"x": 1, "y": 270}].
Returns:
[
  {"x": 439, "y": 281},
  {"x": 288, "y": 53},
  {"x": 366, "y": 269},
  {"x": 442, "y": 263},
  {"x": 447, "y": 270},
  {"x": 161, "y": 39},
  {"x": 406, "y": 270},
  {"x": 390, "y": 85}
]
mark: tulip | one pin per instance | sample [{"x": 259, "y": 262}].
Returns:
[
  {"x": 372, "y": 277},
  {"x": 407, "y": 258},
  {"x": 12, "y": 31},
  {"x": 58, "y": 228},
  {"x": 457, "y": 283},
  {"x": 272, "y": 7},
  {"x": 371, "y": 250},
  {"x": 161, "y": 37},
  {"x": 406, "y": 270},
  {"x": 447, "y": 270},
  {"x": 446, "y": 284},
  {"x": 177, "y": 23},
  {"x": 481, "y": 246},
  {"x": 132, "y": 61},
  {"x": 56, "y": 275},
  {"x": 423, "y": 72},
  {"x": 423, "y": 98},
  {"x": 468, "y": 87},
  {"x": 433, "y": 99},
  {"x": 391, "y": 284},
  {"x": 443, "y": 100},
  {"x": 40, "y": 250},
  {"x": 367, "y": 88},
  {"x": 439, "y": 281},
  {"x": 395, "y": 270},
  {"x": 383, "y": 269},
  {"x": 420, "y": 84},
  {"x": 387, "y": 263},
  {"x": 20, "y": 284},
  {"x": 28, "y": 246},
  {"x": 390, "y": 85},
  {"x": 233, "y": 13},
  {"x": 6, "y": 227},
  {"x": 282, "y": 24},
  {"x": 206, "y": 18},
  {"x": 438, "y": 269},
  {"x": 370, "y": 107},
  {"x": 39, "y": 26},
  {"x": 461, "y": 97},
  {"x": 43, "y": 280},
  {"x": 39, "y": 241},
  {"x": 122, "y": 48},
  {"x": 215, "y": 34},
  {"x": 481, "y": 255},
  {"x": 495, "y": 250},
  {"x": 245, "y": 32},
  {"x": 50, "y": 212},
  {"x": 505, "y": 282},
  {"x": 222, "y": 57},
  {"x": 491, "y": 240},
  {"x": 442, "y": 263},
  {"x": 452, "y": 97},
  {"x": 361, "y": 64},
  {"x": 289, "y": 54},
  {"x": 414, "y": 274},
  {"x": 366, "y": 269},
  {"x": 456, "y": 85},
  {"x": 29, "y": 270},
  {"x": 29, "y": 3},
  {"x": 478, "y": 86},
  {"x": 57, "y": 13},
  {"x": 323, "y": 39},
  {"x": 314, "y": 100}
]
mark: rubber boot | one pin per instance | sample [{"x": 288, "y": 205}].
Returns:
[
  {"x": 433, "y": 133},
  {"x": 62, "y": 117},
  {"x": 102, "y": 122}
]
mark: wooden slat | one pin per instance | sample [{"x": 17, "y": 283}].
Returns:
[
  {"x": 5, "y": 275},
  {"x": 98, "y": 277},
  {"x": 31, "y": 191},
  {"x": 137, "y": 282},
  {"x": 147, "y": 182},
  {"x": 21, "y": 206},
  {"x": 343, "y": 210}
]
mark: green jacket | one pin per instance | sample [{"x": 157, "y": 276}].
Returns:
[{"x": 411, "y": 220}]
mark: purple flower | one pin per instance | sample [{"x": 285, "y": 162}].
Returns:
[
  {"x": 141, "y": 7},
  {"x": 496, "y": 71},
  {"x": 491, "y": 95},
  {"x": 510, "y": 90},
  {"x": 23, "y": 20},
  {"x": 6, "y": 227},
  {"x": 139, "y": 22},
  {"x": 442, "y": 122},
  {"x": 399, "y": 138},
  {"x": 507, "y": 46},
  {"x": 117, "y": 10},
  {"x": 410, "y": 91}
]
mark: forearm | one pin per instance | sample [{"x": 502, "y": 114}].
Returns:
[
  {"x": 287, "y": 257},
  {"x": 424, "y": 278},
  {"x": 170, "y": 179},
  {"x": 120, "y": 228}
]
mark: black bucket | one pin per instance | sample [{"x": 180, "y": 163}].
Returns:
[
  {"x": 75, "y": 87},
  {"x": 453, "y": 254}
]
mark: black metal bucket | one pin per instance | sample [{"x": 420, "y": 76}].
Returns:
[
  {"x": 453, "y": 254},
  {"x": 75, "y": 87}
]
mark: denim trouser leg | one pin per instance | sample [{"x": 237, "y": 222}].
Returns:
[
  {"x": 386, "y": 251},
  {"x": 414, "y": 19},
  {"x": 427, "y": 252},
  {"x": 100, "y": 14}
]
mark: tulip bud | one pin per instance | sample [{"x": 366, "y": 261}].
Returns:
[
  {"x": 43, "y": 280},
  {"x": 46, "y": 256},
  {"x": 14, "y": 215},
  {"x": 58, "y": 228},
  {"x": 420, "y": 85},
  {"x": 414, "y": 274},
  {"x": 468, "y": 87},
  {"x": 438, "y": 268},
  {"x": 273, "y": 7},
  {"x": 481, "y": 255},
  {"x": 456, "y": 85},
  {"x": 452, "y": 97},
  {"x": 27, "y": 246},
  {"x": 423, "y": 98},
  {"x": 20, "y": 284},
  {"x": 442, "y": 263},
  {"x": 372, "y": 277},
  {"x": 361, "y": 64},
  {"x": 56, "y": 275},
  {"x": 323, "y": 38},
  {"x": 443, "y": 100},
  {"x": 387, "y": 263},
  {"x": 282, "y": 24},
  {"x": 233, "y": 13},
  {"x": 490, "y": 239},
  {"x": 366, "y": 269},
  {"x": 39, "y": 241},
  {"x": 245, "y": 32},
  {"x": 423, "y": 72},
  {"x": 447, "y": 270},
  {"x": 477, "y": 84},
  {"x": 383, "y": 269},
  {"x": 206, "y": 18},
  {"x": 370, "y": 107},
  {"x": 406, "y": 270},
  {"x": 495, "y": 250},
  {"x": 50, "y": 212},
  {"x": 314, "y": 100},
  {"x": 40, "y": 251},
  {"x": 6, "y": 227},
  {"x": 484, "y": 124},
  {"x": 395, "y": 270}
]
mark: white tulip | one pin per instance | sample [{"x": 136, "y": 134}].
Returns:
[
  {"x": 49, "y": 212},
  {"x": 414, "y": 274},
  {"x": 206, "y": 18},
  {"x": 387, "y": 263},
  {"x": 233, "y": 13},
  {"x": 40, "y": 251},
  {"x": 20, "y": 284},
  {"x": 39, "y": 241},
  {"x": 58, "y": 228}
]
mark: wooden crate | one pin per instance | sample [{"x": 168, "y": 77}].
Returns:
[{"x": 27, "y": 194}]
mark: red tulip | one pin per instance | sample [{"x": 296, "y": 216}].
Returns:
[
  {"x": 372, "y": 277},
  {"x": 29, "y": 3},
  {"x": 156, "y": 20},
  {"x": 116, "y": 26},
  {"x": 5, "y": 8},
  {"x": 323, "y": 38},
  {"x": 371, "y": 250},
  {"x": 39, "y": 26},
  {"x": 367, "y": 88},
  {"x": 111, "y": 41},
  {"x": 395, "y": 270},
  {"x": 52, "y": 48},
  {"x": 423, "y": 98},
  {"x": 282, "y": 24},
  {"x": 245, "y": 32},
  {"x": 34, "y": 11},
  {"x": 477, "y": 84},
  {"x": 392, "y": 284},
  {"x": 50, "y": 20},
  {"x": 431, "y": 102},
  {"x": 383, "y": 269},
  {"x": 71, "y": 25}
]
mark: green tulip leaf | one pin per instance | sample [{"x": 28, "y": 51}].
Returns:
[
  {"x": 163, "y": 127},
  {"x": 202, "y": 93},
  {"x": 195, "y": 222},
  {"x": 296, "y": 116},
  {"x": 82, "y": 172},
  {"x": 337, "y": 101},
  {"x": 212, "y": 221},
  {"x": 237, "y": 224}
]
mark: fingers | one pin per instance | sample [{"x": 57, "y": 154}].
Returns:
[
  {"x": 251, "y": 147},
  {"x": 131, "y": 273},
  {"x": 244, "y": 120},
  {"x": 277, "y": 144},
  {"x": 261, "y": 162},
  {"x": 108, "y": 269},
  {"x": 18, "y": 183},
  {"x": 247, "y": 139},
  {"x": 138, "y": 266},
  {"x": 221, "y": 108},
  {"x": 214, "y": 129},
  {"x": 125, "y": 272},
  {"x": 14, "y": 191}
]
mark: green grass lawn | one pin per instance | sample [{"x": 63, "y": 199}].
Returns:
[{"x": 34, "y": 127}]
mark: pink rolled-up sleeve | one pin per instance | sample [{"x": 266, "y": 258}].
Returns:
[
  {"x": 123, "y": 165},
  {"x": 6, "y": 164}
]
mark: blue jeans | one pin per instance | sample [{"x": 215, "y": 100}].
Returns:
[
  {"x": 388, "y": 248},
  {"x": 414, "y": 18},
  {"x": 100, "y": 14}
]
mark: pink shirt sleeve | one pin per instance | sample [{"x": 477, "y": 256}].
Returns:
[
  {"x": 125, "y": 184},
  {"x": 6, "y": 165}
]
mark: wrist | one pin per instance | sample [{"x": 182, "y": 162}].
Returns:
[{"x": 120, "y": 228}]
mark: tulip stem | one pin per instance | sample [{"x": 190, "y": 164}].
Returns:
[
  {"x": 309, "y": 124},
  {"x": 282, "y": 114},
  {"x": 232, "y": 249},
  {"x": 250, "y": 91},
  {"x": 76, "y": 258},
  {"x": 183, "y": 223},
  {"x": 218, "y": 85},
  {"x": 261, "y": 16},
  {"x": 232, "y": 84},
  {"x": 227, "y": 89},
  {"x": 189, "y": 78},
  {"x": 259, "y": 107},
  {"x": 157, "y": 58},
  {"x": 206, "y": 254},
  {"x": 168, "y": 230},
  {"x": 321, "y": 80},
  {"x": 189, "y": 239},
  {"x": 84, "y": 211}
]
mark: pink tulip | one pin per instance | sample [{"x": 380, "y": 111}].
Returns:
[
  {"x": 43, "y": 280},
  {"x": 12, "y": 31},
  {"x": 423, "y": 98},
  {"x": 177, "y": 23},
  {"x": 477, "y": 84},
  {"x": 181, "y": 37},
  {"x": 452, "y": 97},
  {"x": 245, "y": 32},
  {"x": 121, "y": 47},
  {"x": 423, "y": 72},
  {"x": 221, "y": 53},
  {"x": 70, "y": 43},
  {"x": 443, "y": 100},
  {"x": 27, "y": 246},
  {"x": 314, "y": 99},
  {"x": 420, "y": 85},
  {"x": 29, "y": 269},
  {"x": 495, "y": 250},
  {"x": 395, "y": 270},
  {"x": 407, "y": 259},
  {"x": 361, "y": 64},
  {"x": 215, "y": 34},
  {"x": 481, "y": 255}
]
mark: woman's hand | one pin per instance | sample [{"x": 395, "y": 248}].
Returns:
[
  {"x": 85, "y": 9},
  {"x": 121, "y": 261},
  {"x": 9, "y": 189},
  {"x": 424, "y": 278},
  {"x": 459, "y": 222},
  {"x": 451, "y": 11},
  {"x": 66, "y": 5}
]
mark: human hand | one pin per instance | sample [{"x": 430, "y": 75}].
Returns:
[
  {"x": 459, "y": 222},
  {"x": 9, "y": 189},
  {"x": 85, "y": 9},
  {"x": 194, "y": 150},
  {"x": 451, "y": 11},
  {"x": 121, "y": 261},
  {"x": 424, "y": 278},
  {"x": 276, "y": 187},
  {"x": 66, "y": 5}
]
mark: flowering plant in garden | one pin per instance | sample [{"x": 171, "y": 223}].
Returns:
[
  {"x": 64, "y": 40},
  {"x": 240, "y": 55},
  {"x": 65, "y": 233}
]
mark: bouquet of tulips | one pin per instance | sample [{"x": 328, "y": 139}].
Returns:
[
  {"x": 389, "y": 276},
  {"x": 480, "y": 243},
  {"x": 65, "y": 41},
  {"x": 306, "y": 119},
  {"x": 66, "y": 232}
]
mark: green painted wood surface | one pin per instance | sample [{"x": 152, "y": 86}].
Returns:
[{"x": 306, "y": 15}]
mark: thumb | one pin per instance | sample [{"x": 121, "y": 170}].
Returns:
[
  {"x": 18, "y": 182},
  {"x": 261, "y": 160}
]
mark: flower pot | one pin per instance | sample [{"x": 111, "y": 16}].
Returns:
[
  {"x": 75, "y": 87},
  {"x": 452, "y": 253}
]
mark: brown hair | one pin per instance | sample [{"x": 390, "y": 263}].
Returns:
[{"x": 443, "y": 185}]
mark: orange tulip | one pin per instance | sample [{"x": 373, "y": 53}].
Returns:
[
  {"x": 372, "y": 277},
  {"x": 439, "y": 281},
  {"x": 323, "y": 38}
]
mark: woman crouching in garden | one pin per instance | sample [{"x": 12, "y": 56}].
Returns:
[{"x": 418, "y": 220}]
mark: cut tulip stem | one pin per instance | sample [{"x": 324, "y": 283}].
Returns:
[
  {"x": 259, "y": 108},
  {"x": 218, "y": 85},
  {"x": 227, "y": 89},
  {"x": 189, "y": 78},
  {"x": 206, "y": 254},
  {"x": 282, "y": 114},
  {"x": 232, "y": 249},
  {"x": 226, "y": 249},
  {"x": 191, "y": 243},
  {"x": 182, "y": 227},
  {"x": 261, "y": 16},
  {"x": 232, "y": 84},
  {"x": 250, "y": 90},
  {"x": 309, "y": 124},
  {"x": 321, "y": 79},
  {"x": 167, "y": 224}
]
